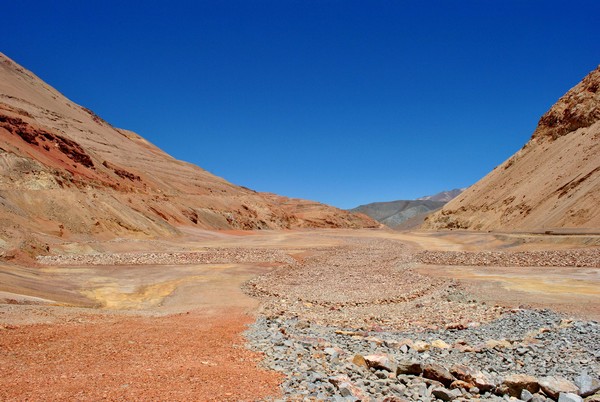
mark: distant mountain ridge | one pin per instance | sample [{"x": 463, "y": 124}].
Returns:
[
  {"x": 396, "y": 214},
  {"x": 444, "y": 196}
]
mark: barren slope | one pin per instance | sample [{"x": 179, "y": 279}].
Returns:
[
  {"x": 65, "y": 171},
  {"x": 553, "y": 182}
]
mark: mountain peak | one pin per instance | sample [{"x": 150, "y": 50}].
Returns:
[{"x": 578, "y": 108}]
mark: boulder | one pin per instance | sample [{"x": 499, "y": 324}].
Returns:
[
  {"x": 421, "y": 346},
  {"x": 526, "y": 396},
  {"x": 439, "y": 344},
  {"x": 553, "y": 386},
  {"x": 446, "y": 394},
  {"x": 409, "y": 367},
  {"x": 475, "y": 377},
  {"x": 438, "y": 373},
  {"x": 359, "y": 360},
  {"x": 380, "y": 362},
  {"x": 514, "y": 384}
]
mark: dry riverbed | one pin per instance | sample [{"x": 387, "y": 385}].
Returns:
[{"x": 322, "y": 296}]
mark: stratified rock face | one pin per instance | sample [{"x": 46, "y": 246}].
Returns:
[
  {"x": 553, "y": 182},
  {"x": 64, "y": 170}
]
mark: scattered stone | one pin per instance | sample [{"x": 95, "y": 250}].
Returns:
[
  {"x": 460, "y": 384},
  {"x": 526, "y": 396},
  {"x": 347, "y": 389},
  {"x": 409, "y": 367},
  {"x": 553, "y": 386},
  {"x": 587, "y": 384},
  {"x": 359, "y": 360},
  {"x": 498, "y": 344},
  {"x": 438, "y": 343},
  {"x": 446, "y": 394},
  {"x": 421, "y": 346},
  {"x": 393, "y": 399},
  {"x": 309, "y": 357},
  {"x": 569, "y": 397}
]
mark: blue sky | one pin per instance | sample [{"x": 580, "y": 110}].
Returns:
[{"x": 344, "y": 102}]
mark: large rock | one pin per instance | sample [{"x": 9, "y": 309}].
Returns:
[
  {"x": 439, "y": 373},
  {"x": 439, "y": 344},
  {"x": 526, "y": 396},
  {"x": 514, "y": 384},
  {"x": 380, "y": 362},
  {"x": 409, "y": 367},
  {"x": 360, "y": 361},
  {"x": 421, "y": 346},
  {"x": 472, "y": 376},
  {"x": 587, "y": 384},
  {"x": 553, "y": 386},
  {"x": 446, "y": 394}
]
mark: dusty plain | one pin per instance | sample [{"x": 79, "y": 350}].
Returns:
[{"x": 163, "y": 319}]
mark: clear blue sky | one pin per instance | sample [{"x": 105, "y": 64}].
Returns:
[{"x": 344, "y": 102}]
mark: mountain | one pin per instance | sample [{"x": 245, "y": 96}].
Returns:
[
  {"x": 394, "y": 213},
  {"x": 553, "y": 182},
  {"x": 444, "y": 196},
  {"x": 406, "y": 214},
  {"x": 66, "y": 172}
]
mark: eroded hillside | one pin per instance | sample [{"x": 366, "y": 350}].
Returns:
[
  {"x": 553, "y": 182},
  {"x": 64, "y": 172}
]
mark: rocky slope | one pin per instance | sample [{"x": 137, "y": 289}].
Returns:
[
  {"x": 66, "y": 172},
  {"x": 552, "y": 183}
]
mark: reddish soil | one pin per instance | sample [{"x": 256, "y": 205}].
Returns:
[{"x": 195, "y": 356}]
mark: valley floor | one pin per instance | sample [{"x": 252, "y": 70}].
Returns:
[{"x": 163, "y": 319}]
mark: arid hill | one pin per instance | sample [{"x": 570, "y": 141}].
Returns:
[
  {"x": 553, "y": 182},
  {"x": 64, "y": 171}
]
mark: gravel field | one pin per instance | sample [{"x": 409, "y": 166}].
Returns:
[
  {"x": 209, "y": 256},
  {"x": 366, "y": 284},
  {"x": 589, "y": 257},
  {"x": 357, "y": 322},
  {"x": 534, "y": 350}
]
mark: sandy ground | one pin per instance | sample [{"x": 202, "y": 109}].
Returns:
[{"x": 159, "y": 331}]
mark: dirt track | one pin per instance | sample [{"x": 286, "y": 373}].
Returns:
[{"x": 143, "y": 345}]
